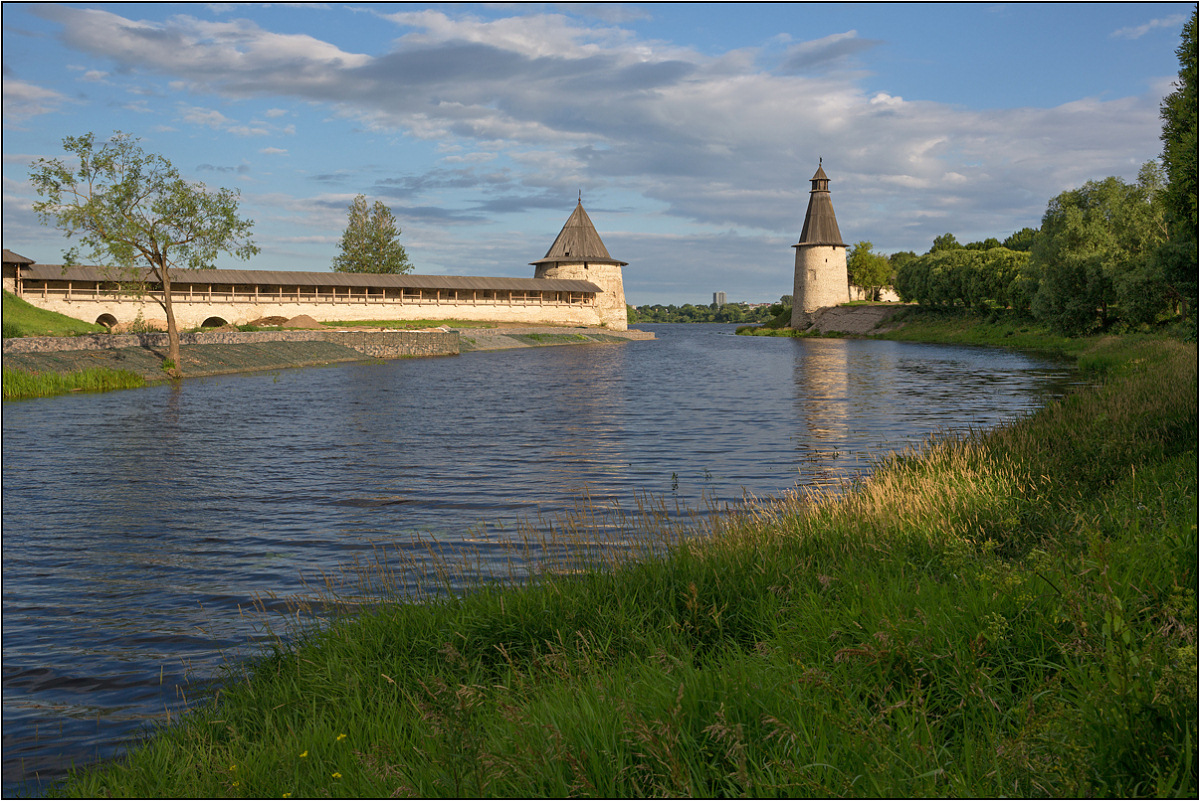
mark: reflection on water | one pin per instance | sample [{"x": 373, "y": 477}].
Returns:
[{"x": 138, "y": 526}]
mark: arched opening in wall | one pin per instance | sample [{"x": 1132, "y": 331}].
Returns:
[
  {"x": 213, "y": 322},
  {"x": 106, "y": 320}
]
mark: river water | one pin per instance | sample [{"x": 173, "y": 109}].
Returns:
[{"x": 140, "y": 526}]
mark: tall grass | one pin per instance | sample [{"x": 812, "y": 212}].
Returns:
[
  {"x": 1006, "y": 613},
  {"x": 20, "y": 384}
]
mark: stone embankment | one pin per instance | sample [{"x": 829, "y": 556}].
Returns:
[
  {"x": 376, "y": 344},
  {"x": 216, "y": 353},
  {"x": 856, "y": 320},
  {"x": 475, "y": 339}
]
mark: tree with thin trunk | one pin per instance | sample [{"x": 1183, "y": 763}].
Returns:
[{"x": 133, "y": 212}]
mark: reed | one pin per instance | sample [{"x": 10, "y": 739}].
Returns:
[
  {"x": 21, "y": 384},
  {"x": 1010, "y": 612}
]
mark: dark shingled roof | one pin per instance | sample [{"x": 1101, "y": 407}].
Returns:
[
  {"x": 55, "y": 272},
  {"x": 578, "y": 242},
  {"x": 820, "y": 224}
]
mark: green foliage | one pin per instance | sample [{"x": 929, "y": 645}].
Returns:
[
  {"x": 1093, "y": 240},
  {"x": 868, "y": 270},
  {"x": 689, "y": 313},
  {"x": 944, "y": 242},
  {"x": 967, "y": 277},
  {"x": 1179, "y": 138},
  {"x": 987, "y": 244},
  {"x": 369, "y": 243},
  {"x": 131, "y": 210},
  {"x": 900, "y": 258},
  {"x": 23, "y": 319},
  {"x": 1021, "y": 240},
  {"x": 22, "y": 384}
]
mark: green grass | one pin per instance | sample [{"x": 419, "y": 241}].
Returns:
[
  {"x": 1008, "y": 613},
  {"x": 21, "y": 384},
  {"x": 22, "y": 319}
]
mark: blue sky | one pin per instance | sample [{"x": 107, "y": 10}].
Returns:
[{"x": 691, "y": 129}]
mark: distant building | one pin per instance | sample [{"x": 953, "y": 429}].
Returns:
[
  {"x": 821, "y": 278},
  {"x": 719, "y": 298}
]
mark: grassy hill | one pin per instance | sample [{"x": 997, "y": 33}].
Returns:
[{"x": 22, "y": 319}]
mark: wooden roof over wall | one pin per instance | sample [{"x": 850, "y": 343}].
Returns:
[{"x": 55, "y": 272}]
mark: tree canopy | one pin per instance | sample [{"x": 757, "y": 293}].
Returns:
[
  {"x": 369, "y": 244},
  {"x": 1094, "y": 247},
  {"x": 129, "y": 208},
  {"x": 944, "y": 242},
  {"x": 869, "y": 270},
  {"x": 1179, "y": 140}
]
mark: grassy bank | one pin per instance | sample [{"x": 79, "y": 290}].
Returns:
[
  {"x": 22, "y": 319},
  {"x": 21, "y": 384},
  {"x": 1012, "y": 613}
]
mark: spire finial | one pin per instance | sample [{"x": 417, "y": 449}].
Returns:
[
  {"x": 580, "y": 197},
  {"x": 820, "y": 160}
]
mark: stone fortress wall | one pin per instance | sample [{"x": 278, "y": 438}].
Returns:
[
  {"x": 576, "y": 284},
  {"x": 93, "y": 305}
]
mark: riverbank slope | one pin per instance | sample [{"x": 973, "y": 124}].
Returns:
[
  {"x": 206, "y": 354},
  {"x": 1013, "y": 612}
]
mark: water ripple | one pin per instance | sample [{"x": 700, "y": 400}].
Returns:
[{"x": 140, "y": 527}]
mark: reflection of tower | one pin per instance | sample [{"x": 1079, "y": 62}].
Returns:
[
  {"x": 821, "y": 278},
  {"x": 823, "y": 400},
  {"x": 579, "y": 254}
]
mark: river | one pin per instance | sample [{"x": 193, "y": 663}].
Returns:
[{"x": 140, "y": 526}]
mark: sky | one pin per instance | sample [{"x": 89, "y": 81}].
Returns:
[{"x": 691, "y": 131}]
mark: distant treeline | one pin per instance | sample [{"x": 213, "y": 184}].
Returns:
[{"x": 726, "y": 313}]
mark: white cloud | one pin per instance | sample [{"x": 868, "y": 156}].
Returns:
[
  {"x": 1138, "y": 31},
  {"x": 530, "y": 107},
  {"x": 22, "y": 100},
  {"x": 206, "y": 117},
  {"x": 273, "y": 151}
]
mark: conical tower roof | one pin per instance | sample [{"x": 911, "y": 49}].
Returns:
[
  {"x": 820, "y": 224},
  {"x": 578, "y": 242}
]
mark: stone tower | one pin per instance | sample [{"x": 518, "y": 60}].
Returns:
[
  {"x": 579, "y": 254},
  {"x": 821, "y": 278}
]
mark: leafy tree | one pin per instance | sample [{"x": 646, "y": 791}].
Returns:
[
  {"x": 899, "y": 259},
  {"x": 132, "y": 209},
  {"x": 369, "y": 243},
  {"x": 1093, "y": 240},
  {"x": 1021, "y": 240},
  {"x": 1175, "y": 263},
  {"x": 871, "y": 271},
  {"x": 1179, "y": 137},
  {"x": 944, "y": 242},
  {"x": 987, "y": 244},
  {"x": 978, "y": 279}
]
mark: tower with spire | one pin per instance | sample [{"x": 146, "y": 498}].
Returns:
[
  {"x": 821, "y": 279},
  {"x": 579, "y": 254}
]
